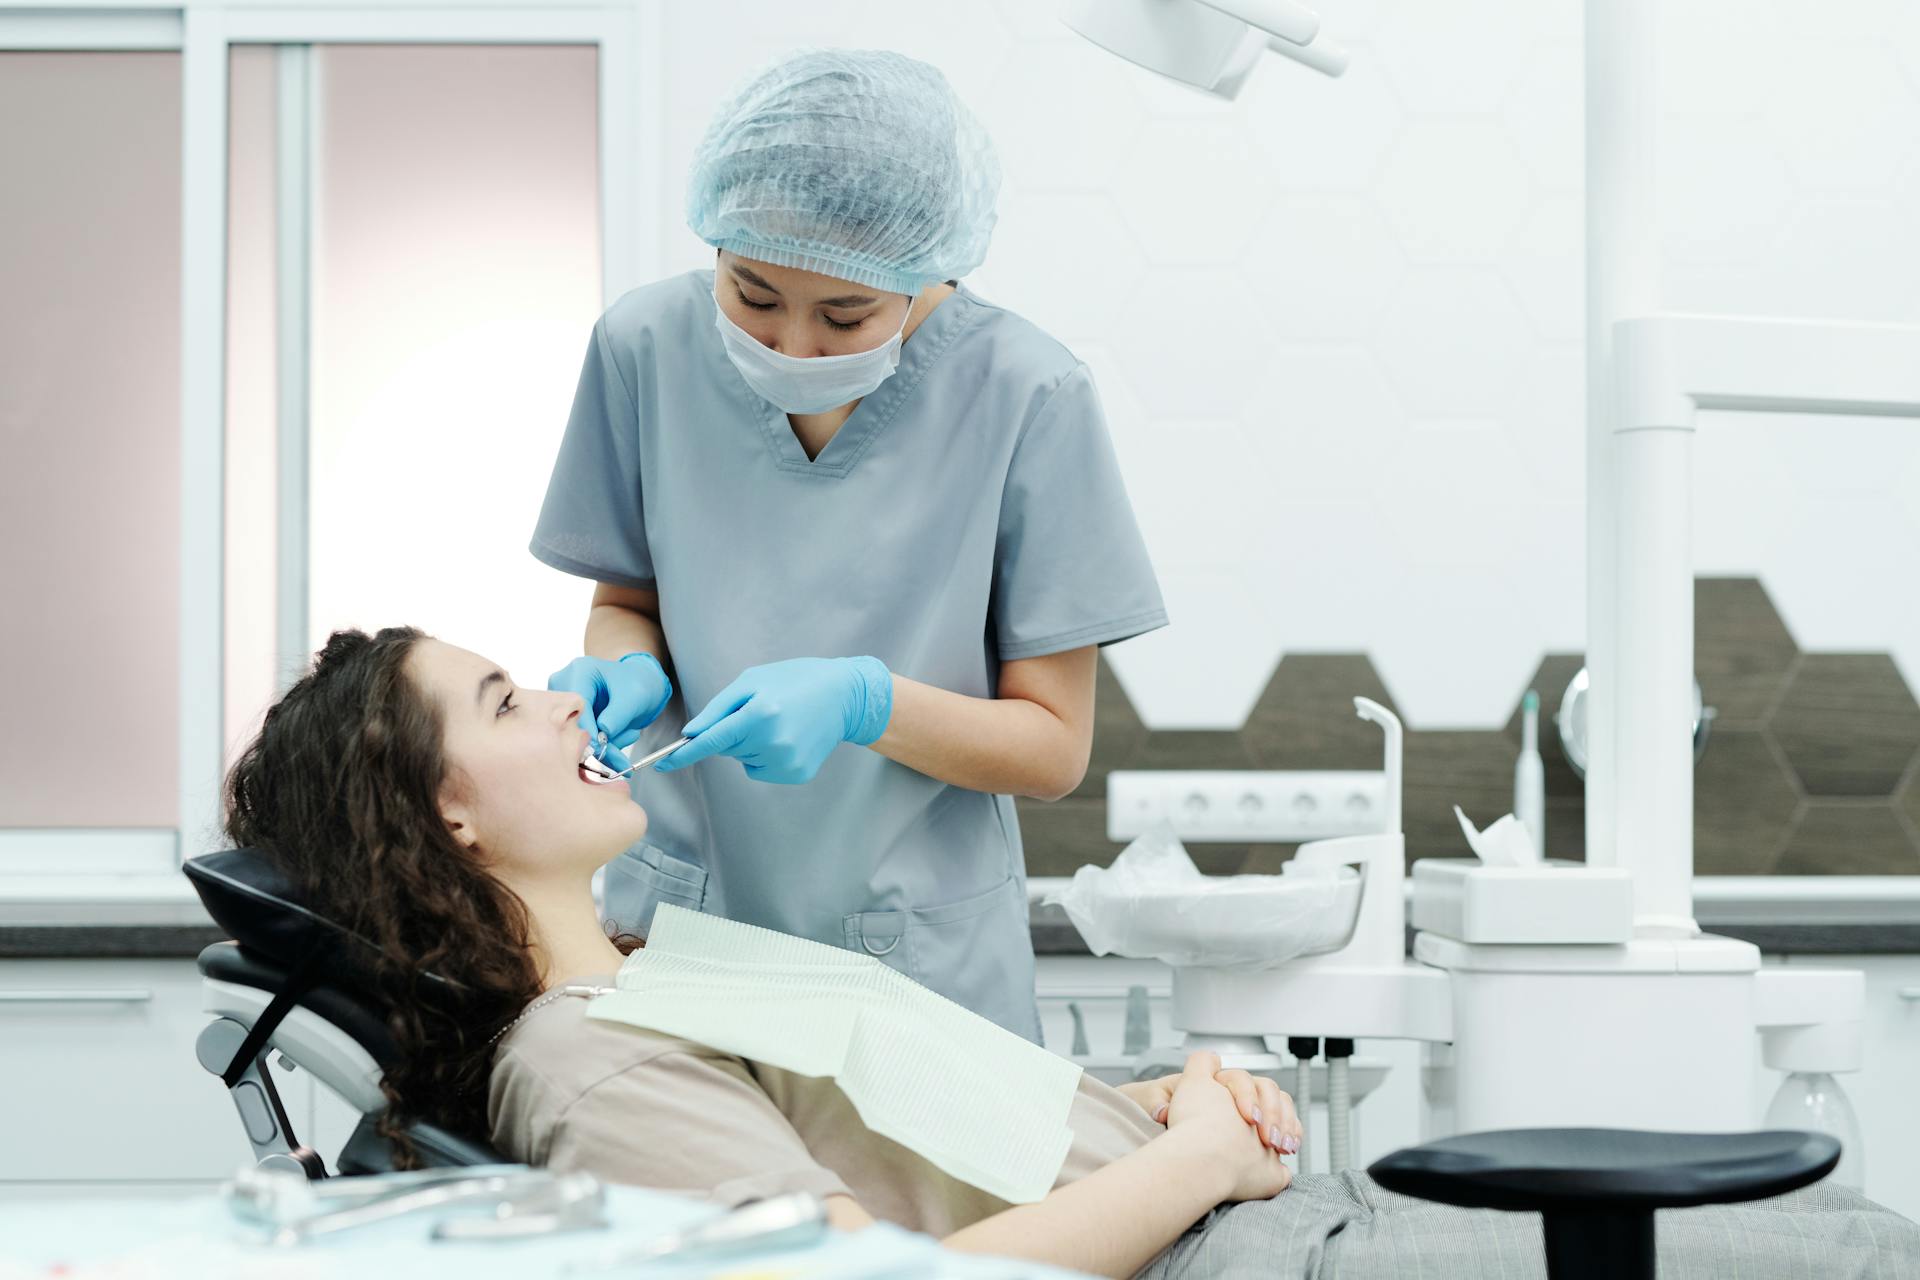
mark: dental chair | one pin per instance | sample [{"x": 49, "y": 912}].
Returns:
[{"x": 292, "y": 982}]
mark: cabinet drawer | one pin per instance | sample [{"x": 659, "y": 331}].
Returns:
[{"x": 98, "y": 1079}]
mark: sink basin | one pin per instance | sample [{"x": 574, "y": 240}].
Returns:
[{"x": 1252, "y": 922}]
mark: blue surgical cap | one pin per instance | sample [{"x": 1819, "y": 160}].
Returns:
[{"x": 854, "y": 163}]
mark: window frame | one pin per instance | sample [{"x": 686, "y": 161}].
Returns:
[{"x": 628, "y": 37}]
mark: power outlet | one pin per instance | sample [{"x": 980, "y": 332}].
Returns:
[{"x": 1234, "y": 806}]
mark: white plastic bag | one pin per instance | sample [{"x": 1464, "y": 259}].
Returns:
[{"x": 1154, "y": 904}]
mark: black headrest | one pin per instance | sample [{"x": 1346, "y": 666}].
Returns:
[{"x": 251, "y": 896}]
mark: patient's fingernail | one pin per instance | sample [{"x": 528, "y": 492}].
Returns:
[
  {"x": 1288, "y": 1144},
  {"x": 1256, "y": 1115},
  {"x": 1160, "y": 1116}
]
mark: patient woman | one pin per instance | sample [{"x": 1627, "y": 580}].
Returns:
[{"x": 422, "y": 798}]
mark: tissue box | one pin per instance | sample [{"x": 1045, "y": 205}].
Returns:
[{"x": 1553, "y": 901}]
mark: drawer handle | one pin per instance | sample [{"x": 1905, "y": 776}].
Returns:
[
  {"x": 1910, "y": 993},
  {"x": 129, "y": 995}
]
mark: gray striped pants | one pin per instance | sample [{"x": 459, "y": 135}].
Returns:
[{"x": 1346, "y": 1227}]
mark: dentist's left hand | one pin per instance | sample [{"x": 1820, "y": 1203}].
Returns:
[
  {"x": 783, "y": 720},
  {"x": 622, "y": 698}
]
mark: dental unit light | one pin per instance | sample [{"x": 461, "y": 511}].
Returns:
[
  {"x": 1560, "y": 994},
  {"x": 1210, "y": 45}
]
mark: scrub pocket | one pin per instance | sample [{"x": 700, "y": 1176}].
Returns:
[
  {"x": 977, "y": 951},
  {"x": 645, "y": 876}
]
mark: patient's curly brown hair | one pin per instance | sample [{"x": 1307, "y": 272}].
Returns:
[{"x": 342, "y": 788}]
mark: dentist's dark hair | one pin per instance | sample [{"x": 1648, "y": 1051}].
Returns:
[{"x": 342, "y": 788}]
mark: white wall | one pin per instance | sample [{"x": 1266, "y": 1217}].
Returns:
[{"x": 1338, "y": 324}]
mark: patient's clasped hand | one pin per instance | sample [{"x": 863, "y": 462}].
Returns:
[{"x": 979, "y": 1102}]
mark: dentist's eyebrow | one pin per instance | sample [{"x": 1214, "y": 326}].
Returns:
[
  {"x": 486, "y": 682},
  {"x": 844, "y": 300},
  {"x": 752, "y": 277}
]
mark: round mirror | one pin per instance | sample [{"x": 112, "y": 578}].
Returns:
[{"x": 1572, "y": 721}]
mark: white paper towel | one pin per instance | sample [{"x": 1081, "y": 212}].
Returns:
[{"x": 1504, "y": 844}]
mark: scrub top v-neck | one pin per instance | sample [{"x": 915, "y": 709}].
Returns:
[{"x": 968, "y": 512}]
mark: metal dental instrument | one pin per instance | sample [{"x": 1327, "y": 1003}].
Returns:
[
  {"x": 644, "y": 761},
  {"x": 524, "y": 1201},
  {"x": 780, "y": 1222}
]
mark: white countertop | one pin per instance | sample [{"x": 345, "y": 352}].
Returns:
[{"x": 107, "y": 899}]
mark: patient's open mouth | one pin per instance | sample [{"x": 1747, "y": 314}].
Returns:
[{"x": 592, "y": 771}]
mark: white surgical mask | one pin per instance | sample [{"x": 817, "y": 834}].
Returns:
[{"x": 810, "y": 384}]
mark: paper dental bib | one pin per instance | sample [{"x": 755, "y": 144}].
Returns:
[{"x": 972, "y": 1098}]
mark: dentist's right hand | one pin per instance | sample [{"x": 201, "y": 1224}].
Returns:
[{"x": 622, "y": 698}]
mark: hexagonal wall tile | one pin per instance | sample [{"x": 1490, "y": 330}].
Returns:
[
  {"x": 1195, "y": 491},
  {"x": 1325, "y": 419},
  {"x": 1447, "y": 338},
  {"x": 1191, "y": 338},
  {"x": 1725, "y": 191},
  {"x": 1305, "y": 717},
  {"x": 1847, "y": 256},
  {"x": 1742, "y": 653},
  {"x": 1206, "y": 668},
  {"x": 1062, "y": 116},
  {"x": 1545, "y": 115},
  {"x": 1744, "y": 801},
  {"x": 968, "y": 43},
  {"x": 1193, "y": 749},
  {"x": 1192, "y": 190},
  {"x": 1445, "y": 58},
  {"x": 1844, "y": 115},
  {"x": 1545, "y": 410},
  {"x": 1320, "y": 134},
  {"x": 1327, "y": 265},
  {"x": 1061, "y": 259},
  {"x": 1834, "y": 839},
  {"x": 1908, "y": 801},
  {"x": 1471, "y": 769},
  {"x": 1453, "y": 188},
  {"x": 1545, "y": 264},
  {"x": 1847, "y": 724}
]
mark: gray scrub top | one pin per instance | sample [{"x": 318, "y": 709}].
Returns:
[{"x": 970, "y": 511}]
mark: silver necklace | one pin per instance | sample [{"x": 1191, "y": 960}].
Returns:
[{"x": 548, "y": 998}]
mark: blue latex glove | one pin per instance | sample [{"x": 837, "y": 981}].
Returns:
[
  {"x": 622, "y": 698},
  {"x": 783, "y": 720}
]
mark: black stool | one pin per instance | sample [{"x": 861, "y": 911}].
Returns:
[{"x": 1598, "y": 1188}]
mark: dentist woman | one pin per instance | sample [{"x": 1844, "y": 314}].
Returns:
[{"x": 866, "y": 526}]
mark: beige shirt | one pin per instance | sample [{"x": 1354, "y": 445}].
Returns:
[{"x": 639, "y": 1107}]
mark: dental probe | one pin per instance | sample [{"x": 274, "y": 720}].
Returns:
[{"x": 641, "y": 763}]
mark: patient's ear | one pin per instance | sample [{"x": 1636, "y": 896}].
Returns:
[{"x": 458, "y": 815}]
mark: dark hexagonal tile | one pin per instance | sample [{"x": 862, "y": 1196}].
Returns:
[
  {"x": 1744, "y": 800},
  {"x": 1117, "y": 733},
  {"x": 1304, "y": 719},
  {"x": 1065, "y": 835},
  {"x": 1854, "y": 839},
  {"x": 1848, "y": 724},
  {"x": 1192, "y": 749},
  {"x": 1266, "y": 859},
  {"x": 1470, "y": 768},
  {"x": 1742, "y": 651}
]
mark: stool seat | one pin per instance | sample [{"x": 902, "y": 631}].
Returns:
[
  {"x": 1598, "y": 1188},
  {"x": 1616, "y": 1168}
]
